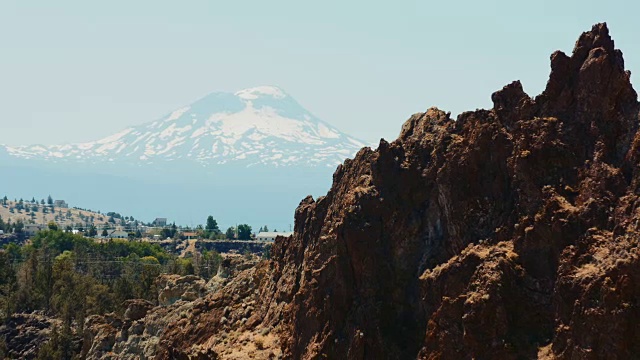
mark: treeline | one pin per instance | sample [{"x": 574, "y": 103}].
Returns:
[
  {"x": 71, "y": 277},
  {"x": 8, "y": 227},
  {"x": 212, "y": 231}
]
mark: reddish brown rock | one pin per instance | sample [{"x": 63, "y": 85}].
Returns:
[
  {"x": 510, "y": 233},
  {"x": 465, "y": 239}
]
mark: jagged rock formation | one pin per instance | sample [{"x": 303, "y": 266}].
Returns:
[
  {"x": 510, "y": 233},
  {"x": 223, "y": 323},
  {"x": 175, "y": 287}
]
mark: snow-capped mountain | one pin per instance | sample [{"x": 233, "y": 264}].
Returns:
[{"x": 261, "y": 125}]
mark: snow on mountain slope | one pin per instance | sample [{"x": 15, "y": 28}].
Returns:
[{"x": 261, "y": 125}]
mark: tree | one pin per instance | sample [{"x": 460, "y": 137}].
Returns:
[
  {"x": 8, "y": 285},
  {"x": 266, "y": 252},
  {"x": 52, "y": 226},
  {"x": 105, "y": 233},
  {"x": 244, "y": 232},
  {"x": 58, "y": 346},
  {"x": 18, "y": 227},
  {"x": 49, "y": 200},
  {"x": 42, "y": 202},
  {"x": 212, "y": 224},
  {"x": 231, "y": 233},
  {"x": 93, "y": 231},
  {"x": 265, "y": 228}
]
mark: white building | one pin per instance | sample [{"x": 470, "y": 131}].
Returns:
[
  {"x": 118, "y": 235},
  {"x": 271, "y": 235}
]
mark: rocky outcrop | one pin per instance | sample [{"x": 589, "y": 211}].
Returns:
[
  {"x": 228, "y": 323},
  {"x": 22, "y": 334},
  {"x": 136, "y": 309},
  {"x": 230, "y": 267},
  {"x": 222, "y": 321},
  {"x": 509, "y": 233},
  {"x": 175, "y": 287},
  {"x": 132, "y": 336}
]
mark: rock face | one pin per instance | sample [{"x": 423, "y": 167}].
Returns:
[
  {"x": 222, "y": 322},
  {"x": 23, "y": 334},
  {"x": 175, "y": 287},
  {"x": 510, "y": 233}
]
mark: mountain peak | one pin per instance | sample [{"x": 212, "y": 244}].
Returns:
[
  {"x": 258, "y": 91},
  {"x": 259, "y": 125}
]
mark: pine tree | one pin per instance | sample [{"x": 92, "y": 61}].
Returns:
[
  {"x": 244, "y": 232},
  {"x": 231, "y": 233},
  {"x": 212, "y": 225}
]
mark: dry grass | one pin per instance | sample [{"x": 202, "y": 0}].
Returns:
[{"x": 42, "y": 218}]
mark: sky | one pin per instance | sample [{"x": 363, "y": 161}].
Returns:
[{"x": 73, "y": 71}]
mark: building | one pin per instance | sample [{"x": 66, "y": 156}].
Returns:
[
  {"x": 32, "y": 229},
  {"x": 190, "y": 235},
  {"x": 60, "y": 204},
  {"x": 118, "y": 234},
  {"x": 160, "y": 222},
  {"x": 271, "y": 235},
  {"x": 1, "y": 232}
]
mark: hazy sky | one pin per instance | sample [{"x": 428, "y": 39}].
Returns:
[{"x": 79, "y": 70}]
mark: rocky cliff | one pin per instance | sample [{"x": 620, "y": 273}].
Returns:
[{"x": 509, "y": 233}]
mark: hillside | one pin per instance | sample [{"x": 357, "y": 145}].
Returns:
[{"x": 36, "y": 213}]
